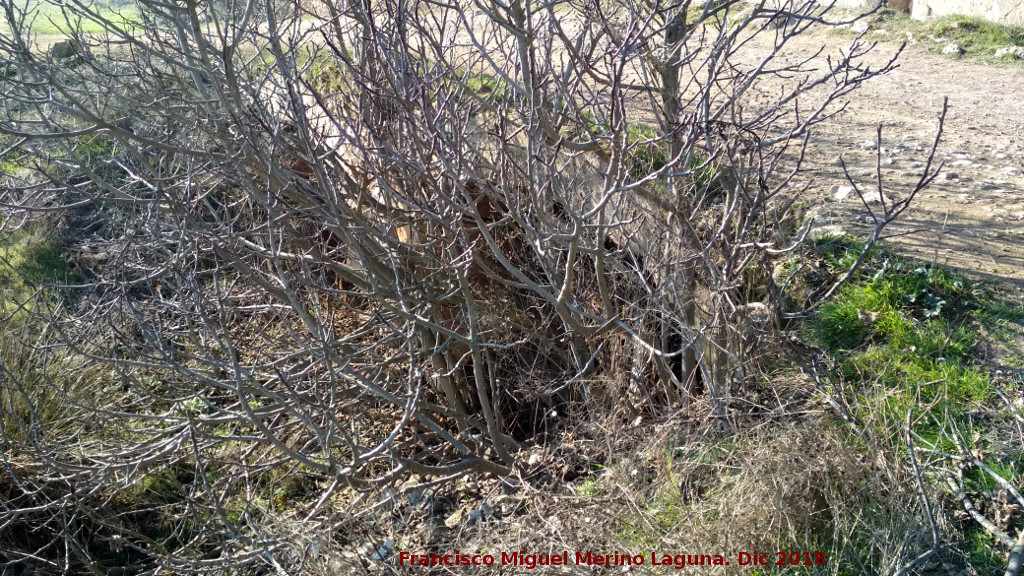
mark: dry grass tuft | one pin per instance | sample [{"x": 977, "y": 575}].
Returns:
[{"x": 687, "y": 488}]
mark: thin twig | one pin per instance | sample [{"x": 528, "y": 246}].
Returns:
[
  {"x": 971, "y": 509},
  {"x": 1016, "y": 557},
  {"x": 927, "y": 506}
]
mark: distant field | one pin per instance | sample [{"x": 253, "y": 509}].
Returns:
[{"x": 45, "y": 18}]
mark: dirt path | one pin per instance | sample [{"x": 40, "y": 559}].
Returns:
[{"x": 973, "y": 219}]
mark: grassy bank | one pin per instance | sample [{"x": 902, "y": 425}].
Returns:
[{"x": 979, "y": 39}]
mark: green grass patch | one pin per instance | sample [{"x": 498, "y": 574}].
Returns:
[
  {"x": 909, "y": 326},
  {"x": 33, "y": 400},
  {"x": 977, "y": 34},
  {"x": 321, "y": 66},
  {"x": 490, "y": 86},
  {"x": 905, "y": 340},
  {"x": 100, "y": 154},
  {"x": 979, "y": 38},
  {"x": 10, "y": 163},
  {"x": 30, "y": 258},
  {"x": 45, "y": 18}
]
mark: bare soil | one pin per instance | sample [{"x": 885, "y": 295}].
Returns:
[{"x": 973, "y": 221}]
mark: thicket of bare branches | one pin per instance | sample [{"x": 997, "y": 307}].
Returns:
[{"x": 379, "y": 238}]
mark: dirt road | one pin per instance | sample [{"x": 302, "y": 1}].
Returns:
[{"x": 973, "y": 217}]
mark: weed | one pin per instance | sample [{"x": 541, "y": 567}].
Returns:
[
  {"x": 590, "y": 488},
  {"x": 840, "y": 326}
]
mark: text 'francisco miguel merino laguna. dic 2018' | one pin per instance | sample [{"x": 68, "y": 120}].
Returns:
[{"x": 529, "y": 561}]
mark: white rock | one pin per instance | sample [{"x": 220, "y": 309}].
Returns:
[
  {"x": 869, "y": 145},
  {"x": 1001, "y": 156},
  {"x": 841, "y": 193},
  {"x": 1013, "y": 52},
  {"x": 826, "y": 232},
  {"x": 1011, "y": 171},
  {"x": 874, "y": 197},
  {"x": 383, "y": 552},
  {"x": 953, "y": 48},
  {"x": 456, "y": 518},
  {"x": 961, "y": 163},
  {"x": 882, "y": 32},
  {"x": 949, "y": 176},
  {"x": 1019, "y": 215},
  {"x": 985, "y": 185},
  {"x": 860, "y": 26},
  {"x": 815, "y": 218}
]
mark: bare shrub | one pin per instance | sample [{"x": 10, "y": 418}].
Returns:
[{"x": 392, "y": 238}]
